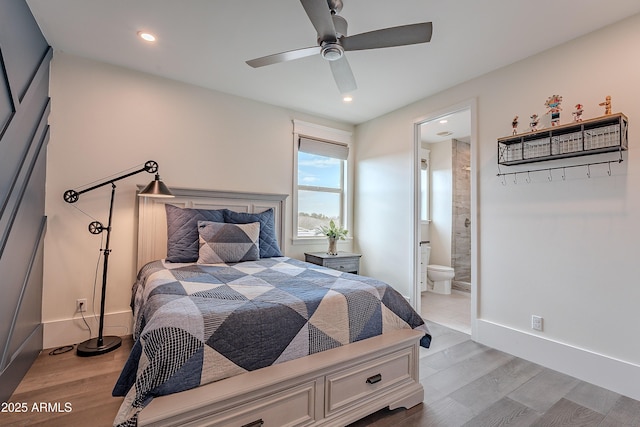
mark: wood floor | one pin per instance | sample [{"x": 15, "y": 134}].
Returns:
[
  {"x": 466, "y": 384},
  {"x": 452, "y": 311},
  {"x": 83, "y": 382}
]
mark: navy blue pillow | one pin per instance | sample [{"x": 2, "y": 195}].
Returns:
[
  {"x": 182, "y": 231},
  {"x": 268, "y": 242}
]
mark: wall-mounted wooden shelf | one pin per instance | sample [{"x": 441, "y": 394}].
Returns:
[{"x": 599, "y": 135}]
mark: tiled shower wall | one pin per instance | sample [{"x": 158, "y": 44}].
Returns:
[{"x": 461, "y": 230}]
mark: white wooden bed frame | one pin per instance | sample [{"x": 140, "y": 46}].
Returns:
[{"x": 332, "y": 388}]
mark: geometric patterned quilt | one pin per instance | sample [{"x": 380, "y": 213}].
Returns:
[{"x": 199, "y": 323}]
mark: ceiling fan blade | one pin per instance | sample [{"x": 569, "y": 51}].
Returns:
[
  {"x": 320, "y": 16},
  {"x": 389, "y": 37},
  {"x": 343, "y": 75},
  {"x": 284, "y": 56}
]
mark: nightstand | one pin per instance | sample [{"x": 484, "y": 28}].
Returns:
[{"x": 344, "y": 261}]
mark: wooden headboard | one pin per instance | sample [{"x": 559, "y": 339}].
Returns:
[{"x": 152, "y": 220}]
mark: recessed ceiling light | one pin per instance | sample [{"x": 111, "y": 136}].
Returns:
[
  {"x": 443, "y": 121},
  {"x": 146, "y": 36},
  {"x": 347, "y": 99}
]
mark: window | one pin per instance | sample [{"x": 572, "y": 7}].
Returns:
[{"x": 321, "y": 184}]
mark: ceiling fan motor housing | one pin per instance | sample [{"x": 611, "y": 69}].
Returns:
[{"x": 332, "y": 49}]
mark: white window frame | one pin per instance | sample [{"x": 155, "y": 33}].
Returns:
[{"x": 322, "y": 133}]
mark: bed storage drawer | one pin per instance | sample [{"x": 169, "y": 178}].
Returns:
[
  {"x": 324, "y": 389},
  {"x": 288, "y": 408},
  {"x": 350, "y": 386}
]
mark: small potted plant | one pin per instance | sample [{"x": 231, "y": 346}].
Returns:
[{"x": 334, "y": 233}]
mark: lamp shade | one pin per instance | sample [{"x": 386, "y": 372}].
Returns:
[{"x": 156, "y": 188}]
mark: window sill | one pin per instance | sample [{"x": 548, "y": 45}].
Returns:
[{"x": 315, "y": 240}]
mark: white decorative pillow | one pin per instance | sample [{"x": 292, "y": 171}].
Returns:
[{"x": 222, "y": 242}]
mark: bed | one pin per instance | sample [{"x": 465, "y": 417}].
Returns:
[{"x": 229, "y": 331}]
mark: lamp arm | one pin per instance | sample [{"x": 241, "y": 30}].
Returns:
[
  {"x": 102, "y": 344},
  {"x": 72, "y": 196}
]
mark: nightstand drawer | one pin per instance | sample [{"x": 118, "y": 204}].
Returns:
[
  {"x": 345, "y": 261},
  {"x": 348, "y": 265}
]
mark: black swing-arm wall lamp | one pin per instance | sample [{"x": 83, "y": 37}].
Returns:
[{"x": 156, "y": 188}]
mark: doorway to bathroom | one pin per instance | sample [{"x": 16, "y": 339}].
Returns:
[{"x": 445, "y": 225}]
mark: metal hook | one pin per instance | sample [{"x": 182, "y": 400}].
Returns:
[
  {"x": 588, "y": 170},
  {"x": 528, "y": 177},
  {"x": 515, "y": 178},
  {"x": 504, "y": 180},
  {"x": 550, "y": 177},
  {"x": 609, "y": 171},
  {"x": 564, "y": 176}
]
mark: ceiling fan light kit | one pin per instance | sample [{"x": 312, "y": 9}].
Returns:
[
  {"x": 333, "y": 41},
  {"x": 332, "y": 51}
]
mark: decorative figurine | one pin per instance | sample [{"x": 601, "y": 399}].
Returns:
[
  {"x": 607, "y": 105},
  {"x": 514, "y": 125},
  {"x": 577, "y": 115},
  {"x": 553, "y": 103},
  {"x": 534, "y": 123}
]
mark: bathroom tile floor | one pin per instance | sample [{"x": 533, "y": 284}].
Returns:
[{"x": 452, "y": 311}]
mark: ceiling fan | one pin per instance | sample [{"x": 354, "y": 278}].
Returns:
[{"x": 333, "y": 41}]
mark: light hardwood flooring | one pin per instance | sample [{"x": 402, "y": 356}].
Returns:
[
  {"x": 466, "y": 384},
  {"x": 84, "y": 382},
  {"x": 453, "y": 310}
]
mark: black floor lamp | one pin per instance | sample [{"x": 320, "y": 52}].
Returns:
[{"x": 156, "y": 188}]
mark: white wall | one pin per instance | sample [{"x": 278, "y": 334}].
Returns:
[
  {"x": 440, "y": 229},
  {"x": 106, "y": 119},
  {"x": 383, "y": 201},
  {"x": 564, "y": 250}
]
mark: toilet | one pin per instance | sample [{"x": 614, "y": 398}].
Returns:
[{"x": 439, "y": 278}]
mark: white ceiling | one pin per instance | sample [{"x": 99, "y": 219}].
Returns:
[
  {"x": 456, "y": 125},
  {"x": 206, "y": 43}
]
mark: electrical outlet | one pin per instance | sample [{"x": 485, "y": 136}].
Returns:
[
  {"x": 536, "y": 322},
  {"x": 81, "y": 304}
]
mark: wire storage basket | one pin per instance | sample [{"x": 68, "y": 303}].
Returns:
[
  {"x": 536, "y": 148},
  {"x": 602, "y": 137},
  {"x": 509, "y": 152},
  {"x": 599, "y": 135},
  {"x": 566, "y": 143}
]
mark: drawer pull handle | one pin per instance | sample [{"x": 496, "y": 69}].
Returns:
[
  {"x": 256, "y": 423},
  {"x": 374, "y": 379}
]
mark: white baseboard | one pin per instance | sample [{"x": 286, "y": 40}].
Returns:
[
  {"x": 58, "y": 333},
  {"x": 604, "y": 371}
]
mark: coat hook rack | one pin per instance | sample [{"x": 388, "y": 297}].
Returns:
[
  {"x": 550, "y": 177},
  {"x": 606, "y": 134}
]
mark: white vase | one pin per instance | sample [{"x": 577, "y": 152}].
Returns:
[{"x": 333, "y": 246}]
